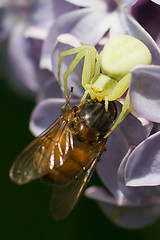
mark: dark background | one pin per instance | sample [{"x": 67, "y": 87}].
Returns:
[{"x": 24, "y": 210}]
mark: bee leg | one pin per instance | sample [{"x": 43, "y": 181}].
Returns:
[{"x": 67, "y": 101}]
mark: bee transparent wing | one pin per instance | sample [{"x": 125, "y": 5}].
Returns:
[
  {"x": 32, "y": 163},
  {"x": 22, "y": 170},
  {"x": 65, "y": 196}
]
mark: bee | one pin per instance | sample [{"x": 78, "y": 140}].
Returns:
[{"x": 66, "y": 153}]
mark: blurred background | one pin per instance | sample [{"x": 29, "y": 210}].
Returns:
[{"x": 24, "y": 210}]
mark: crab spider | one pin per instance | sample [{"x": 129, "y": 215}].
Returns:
[{"x": 106, "y": 75}]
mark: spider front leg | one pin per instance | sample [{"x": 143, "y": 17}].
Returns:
[
  {"x": 126, "y": 109},
  {"x": 119, "y": 89},
  {"x": 91, "y": 64},
  {"x": 117, "y": 92},
  {"x": 102, "y": 87}
]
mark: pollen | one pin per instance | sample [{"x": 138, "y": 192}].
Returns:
[{"x": 96, "y": 89}]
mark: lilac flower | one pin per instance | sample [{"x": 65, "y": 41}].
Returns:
[
  {"x": 127, "y": 169},
  {"x": 66, "y": 41},
  {"x": 127, "y": 211},
  {"x": 131, "y": 197},
  {"x": 132, "y": 174},
  {"x": 128, "y": 200},
  {"x": 88, "y": 24},
  {"x": 25, "y": 24}
]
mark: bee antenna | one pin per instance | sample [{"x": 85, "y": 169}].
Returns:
[{"x": 67, "y": 100}]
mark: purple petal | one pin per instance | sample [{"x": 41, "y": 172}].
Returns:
[
  {"x": 100, "y": 19},
  {"x": 35, "y": 32},
  {"x": 126, "y": 215},
  {"x": 130, "y": 132},
  {"x": 118, "y": 24},
  {"x": 64, "y": 24},
  {"x": 135, "y": 29},
  {"x": 99, "y": 194},
  {"x": 134, "y": 130},
  {"x": 46, "y": 112},
  {"x": 143, "y": 166},
  {"x": 9, "y": 3},
  {"x": 103, "y": 195},
  {"x": 126, "y": 3},
  {"x": 139, "y": 195},
  {"x": 24, "y": 60},
  {"x": 131, "y": 217},
  {"x": 7, "y": 21},
  {"x": 44, "y": 13},
  {"x": 50, "y": 89},
  {"x": 144, "y": 92},
  {"x": 108, "y": 165},
  {"x": 86, "y": 3}
]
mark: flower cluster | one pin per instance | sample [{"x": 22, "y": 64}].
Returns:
[
  {"x": 37, "y": 31},
  {"x": 25, "y": 24}
]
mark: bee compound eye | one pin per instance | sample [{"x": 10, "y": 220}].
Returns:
[
  {"x": 94, "y": 115},
  {"x": 112, "y": 111}
]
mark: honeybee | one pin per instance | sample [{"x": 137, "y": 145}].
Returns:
[{"x": 66, "y": 153}]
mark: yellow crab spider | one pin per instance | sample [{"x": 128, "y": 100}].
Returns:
[{"x": 106, "y": 75}]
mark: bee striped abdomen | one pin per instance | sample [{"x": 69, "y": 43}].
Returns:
[
  {"x": 68, "y": 151},
  {"x": 53, "y": 157},
  {"x": 74, "y": 161}
]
